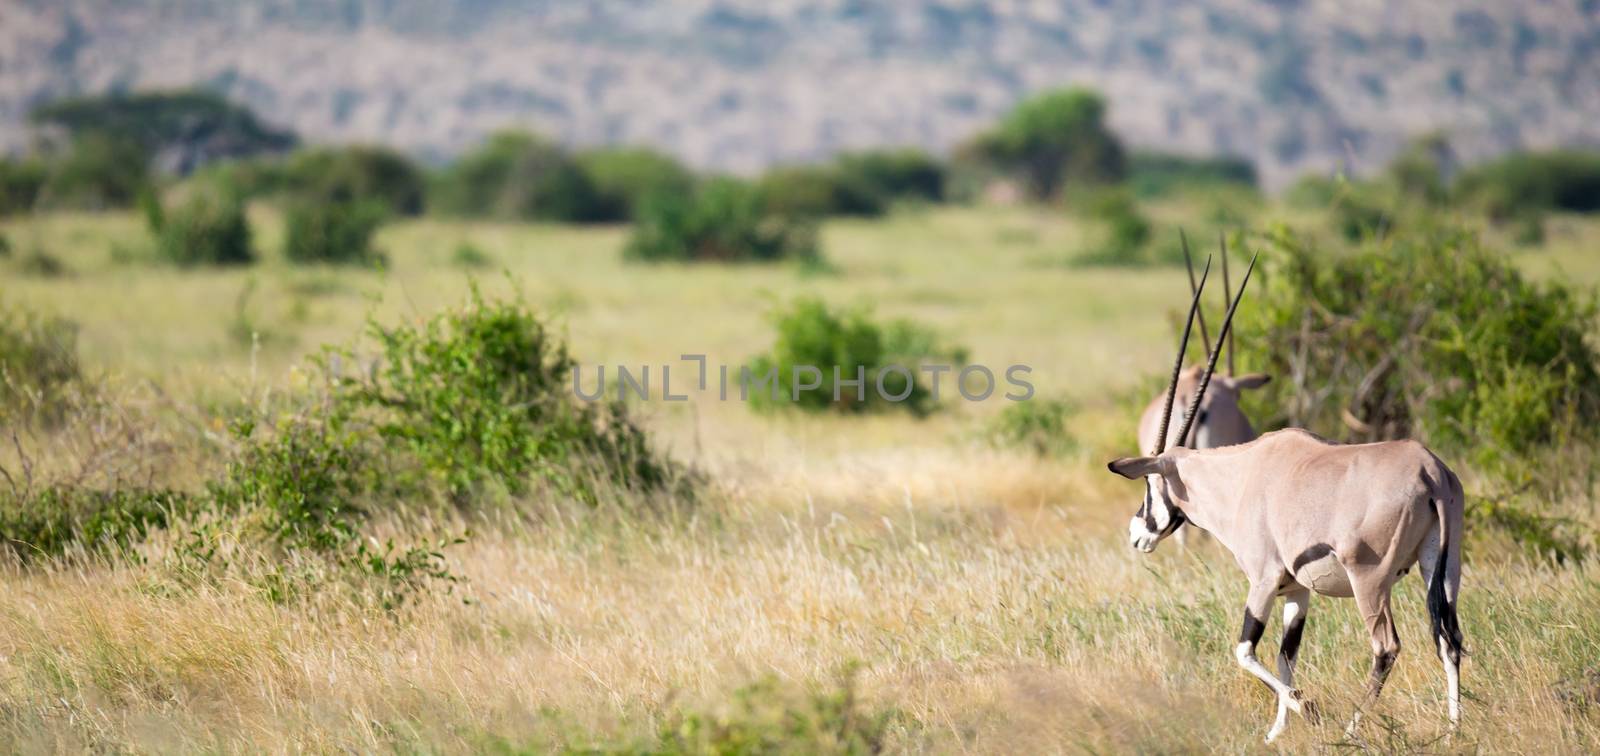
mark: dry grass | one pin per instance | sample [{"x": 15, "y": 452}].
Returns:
[{"x": 987, "y": 595}]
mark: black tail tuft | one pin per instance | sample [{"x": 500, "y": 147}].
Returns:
[{"x": 1443, "y": 612}]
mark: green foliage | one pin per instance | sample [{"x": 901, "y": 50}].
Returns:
[
  {"x": 1423, "y": 335},
  {"x": 469, "y": 255},
  {"x": 303, "y": 480},
  {"x": 844, "y": 344},
  {"x": 1156, "y": 174},
  {"x": 818, "y": 191},
  {"x": 189, "y": 127},
  {"x": 726, "y": 220},
  {"x": 1363, "y": 212},
  {"x": 38, "y": 262},
  {"x": 356, "y": 175},
  {"x": 20, "y": 184},
  {"x": 1055, "y": 140},
  {"x": 96, "y": 172},
  {"x": 337, "y": 233},
  {"x": 38, "y": 366},
  {"x": 519, "y": 176},
  {"x": 624, "y": 178},
  {"x": 1540, "y": 181},
  {"x": 58, "y": 519},
  {"x": 895, "y": 174},
  {"x": 1038, "y": 425},
  {"x": 765, "y": 718},
  {"x": 1127, "y": 232},
  {"x": 482, "y": 394},
  {"x": 1420, "y": 169},
  {"x": 208, "y": 228}
]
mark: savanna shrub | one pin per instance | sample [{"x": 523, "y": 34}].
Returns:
[
  {"x": 483, "y": 394},
  {"x": 96, "y": 172},
  {"x": 1425, "y": 335},
  {"x": 895, "y": 174},
  {"x": 38, "y": 366},
  {"x": 357, "y": 174},
  {"x": 1126, "y": 237},
  {"x": 304, "y": 479},
  {"x": 55, "y": 520},
  {"x": 726, "y": 220},
  {"x": 768, "y": 718},
  {"x": 333, "y": 233},
  {"x": 624, "y": 177},
  {"x": 208, "y": 228},
  {"x": 1155, "y": 174},
  {"x": 1038, "y": 425},
  {"x": 846, "y": 344},
  {"x": 519, "y": 176},
  {"x": 20, "y": 183},
  {"x": 819, "y": 191},
  {"x": 1555, "y": 180}
]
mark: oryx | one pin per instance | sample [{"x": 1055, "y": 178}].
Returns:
[
  {"x": 1219, "y": 421},
  {"x": 1301, "y": 514}
]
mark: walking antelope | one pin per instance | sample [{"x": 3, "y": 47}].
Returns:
[
  {"x": 1303, "y": 515},
  {"x": 1219, "y": 421}
]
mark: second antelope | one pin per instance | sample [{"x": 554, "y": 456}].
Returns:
[
  {"x": 1303, "y": 515},
  {"x": 1220, "y": 421}
]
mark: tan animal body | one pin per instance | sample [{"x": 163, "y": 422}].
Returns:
[{"x": 1303, "y": 515}]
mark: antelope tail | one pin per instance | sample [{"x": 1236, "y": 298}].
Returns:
[{"x": 1446, "y": 628}]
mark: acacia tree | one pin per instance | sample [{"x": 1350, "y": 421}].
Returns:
[{"x": 1055, "y": 139}]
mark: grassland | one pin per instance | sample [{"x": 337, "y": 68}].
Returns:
[{"x": 985, "y": 597}]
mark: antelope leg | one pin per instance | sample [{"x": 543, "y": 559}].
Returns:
[
  {"x": 1259, "y": 603},
  {"x": 1295, "y": 605}
]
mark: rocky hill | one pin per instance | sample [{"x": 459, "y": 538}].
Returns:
[{"x": 737, "y": 85}]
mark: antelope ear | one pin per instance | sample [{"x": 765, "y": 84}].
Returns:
[
  {"x": 1251, "y": 381},
  {"x": 1134, "y": 468}
]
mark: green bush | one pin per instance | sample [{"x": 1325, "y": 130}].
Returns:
[
  {"x": 469, "y": 255},
  {"x": 624, "y": 178},
  {"x": 482, "y": 394},
  {"x": 1363, "y": 211},
  {"x": 726, "y": 220},
  {"x": 338, "y": 233},
  {"x": 356, "y": 175},
  {"x": 38, "y": 366},
  {"x": 764, "y": 718},
  {"x": 819, "y": 191},
  {"x": 1419, "y": 170},
  {"x": 895, "y": 174},
  {"x": 1556, "y": 180},
  {"x": 522, "y": 177},
  {"x": 57, "y": 519},
  {"x": 1055, "y": 140},
  {"x": 209, "y": 228},
  {"x": 1420, "y": 335},
  {"x": 1155, "y": 174},
  {"x": 1038, "y": 425},
  {"x": 1127, "y": 232},
  {"x": 97, "y": 171},
  {"x": 20, "y": 184},
  {"x": 842, "y": 344}
]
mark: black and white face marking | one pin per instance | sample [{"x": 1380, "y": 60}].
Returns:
[{"x": 1157, "y": 517}]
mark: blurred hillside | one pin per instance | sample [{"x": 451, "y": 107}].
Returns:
[{"x": 1294, "y": 86}]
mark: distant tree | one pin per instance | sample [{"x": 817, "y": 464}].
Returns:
[
  {"x": 357, "y": 174},
  {"x": 1424, "y": 168},
  {"x": 1055, "y": 139},
  {"x": 20, "y": 182},
  {"x": 1152, "y": 174},
  {"x": 519, "y": 175},
  {"x": 98, "y": 171},
  {"x": 818, "y": 191},
  {"x": 896, "y": 173},
  {"x": 179, "y": 130},
  {"x": 624, "y": 177}
]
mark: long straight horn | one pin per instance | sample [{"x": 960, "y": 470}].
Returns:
[
  {"x": 1205, "y": 339},
  {"x": 1227, "y": 290},
  {"x": 1211, "y": 363},
  {"x": 1177, "y": 365}
]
